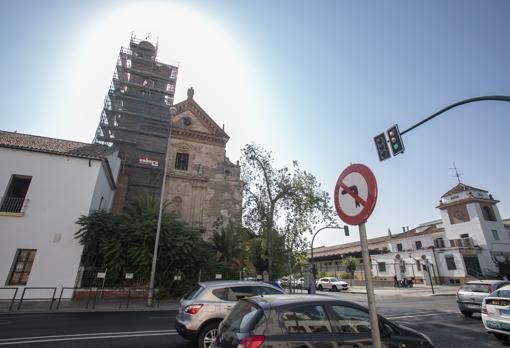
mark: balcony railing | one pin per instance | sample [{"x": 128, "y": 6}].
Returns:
[
  {"x": 463, "y": 242},
  {"x": 13, "y": 204}
]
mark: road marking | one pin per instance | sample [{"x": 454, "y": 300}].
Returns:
[
  {"x": 85, "y": 337},
  {"x": 6, "y": 340},
  {"x": 416, "y": 315}
]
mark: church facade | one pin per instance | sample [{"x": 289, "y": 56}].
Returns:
[{"x": 202, "y": 184}]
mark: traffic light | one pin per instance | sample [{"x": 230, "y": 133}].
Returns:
[
  {"x": 382, "y": 147},
  {"x": 346, "y": 230},
  {"x": 396, "y": 143}
]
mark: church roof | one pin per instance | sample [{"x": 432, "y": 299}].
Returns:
[
  {"x": 216, "y": 133},
  {"x": 461, "y": 188}
]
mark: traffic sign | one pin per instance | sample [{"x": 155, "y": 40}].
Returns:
[{"x": 355, "y": 194}]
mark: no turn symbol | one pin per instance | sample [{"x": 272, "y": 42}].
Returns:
[{"x": 355, "y": 194}]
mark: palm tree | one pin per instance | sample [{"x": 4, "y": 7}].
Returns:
[{"x": 229, "y": 244}]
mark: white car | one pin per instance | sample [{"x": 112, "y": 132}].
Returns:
[
  {"x": 332, "y": 284},
  {"x": 496, "y": 313}
]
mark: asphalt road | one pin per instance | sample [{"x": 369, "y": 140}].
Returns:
[{"x": 437, "y": 317}]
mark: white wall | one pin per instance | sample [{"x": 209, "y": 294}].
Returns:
[{"x": 60, "y": 192}]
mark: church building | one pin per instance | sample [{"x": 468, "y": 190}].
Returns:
[{"x": 202, "y": 184}]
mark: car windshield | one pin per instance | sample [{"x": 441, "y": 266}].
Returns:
[
  {"x": 241, "y": 316},
  {"x": 333, "y": 279},
  {"x": 476, "y": 287}
]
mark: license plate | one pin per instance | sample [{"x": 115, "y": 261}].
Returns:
[
  {"x": 497, "y": 325},
  {"x": 504, "y": 312},
  {"x": 492, "y": 324}
]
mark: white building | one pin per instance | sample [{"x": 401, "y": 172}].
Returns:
[
  {"x": 46, "y": 185},
  {"x": 461, "y": 245}
]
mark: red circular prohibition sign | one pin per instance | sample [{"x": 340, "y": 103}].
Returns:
[{"x": 368, "y": 204}]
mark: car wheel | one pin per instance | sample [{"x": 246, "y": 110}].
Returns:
[
  {"x": 467, "y": 314},
  {"x": 208, "y": 335},
  {"x": 333, "y": 288},
  {"x": 321, "y": 288}
]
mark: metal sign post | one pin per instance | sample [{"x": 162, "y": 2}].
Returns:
[
  {"x": 376, "y": 336},
  {"x": 355, "y": 197}
]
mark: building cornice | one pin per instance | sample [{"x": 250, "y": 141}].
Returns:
[{"x": 467, "y": 200}]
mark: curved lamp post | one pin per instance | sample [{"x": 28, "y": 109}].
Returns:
[{"x": 311, "y": 287}]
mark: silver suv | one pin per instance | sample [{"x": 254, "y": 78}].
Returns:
[
  {"x": 203, "y": 308},
  {"x": 471, "y": 294}
]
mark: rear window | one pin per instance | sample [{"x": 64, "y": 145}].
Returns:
[
  {"x": 243, "y": 317},
  {"x": 502, "y": 293},
  {"x": 476, "y": 287},
  {"x": 193, "y": 292}
]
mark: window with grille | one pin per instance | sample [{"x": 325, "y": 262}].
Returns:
[
  {"x": 381, "y": 266},
  {"x": 181, "y": 161},
  {"x": 450, "y": 262},
  {"x": 418, "y": 244},
  {"x": 22, "y": 266},
  {"x": 15, "y": 194}
]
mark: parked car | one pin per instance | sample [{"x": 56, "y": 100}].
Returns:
[
  {"x": 308, "y": 321},
  {"x": 471, "y": 294},
  {"x": 496, "y": 313},
  {"x": 331, "y": 284},
  {"x": 204, "y": 307}
]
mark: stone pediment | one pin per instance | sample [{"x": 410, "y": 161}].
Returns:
[{"x": 192, "y": 122}]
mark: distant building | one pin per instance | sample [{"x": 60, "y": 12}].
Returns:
[
  {"x": 461, "y": 245},
  {"x": 46, "y": 185},
  {"x": 202, "y": 184}
]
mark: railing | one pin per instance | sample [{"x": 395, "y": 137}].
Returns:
[
  {"x": 463, "y": 242},
  {"x": 13, "y": 204},
  {"x": 76, "y": 298}
]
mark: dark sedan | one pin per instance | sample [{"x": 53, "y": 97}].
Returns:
[{"x": 309, "y": 321}]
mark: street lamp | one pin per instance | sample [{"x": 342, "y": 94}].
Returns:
[
  {"x": 311, "y": 287},
  {"x": 172, "y": 112}
]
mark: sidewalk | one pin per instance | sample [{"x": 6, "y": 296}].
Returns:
[{"x": 417, "y": 291}]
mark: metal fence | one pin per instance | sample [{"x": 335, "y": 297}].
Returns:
[{"x": 59, "y": 298}]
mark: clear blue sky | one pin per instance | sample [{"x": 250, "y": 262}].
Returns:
[{"x": 312, "y": 81}]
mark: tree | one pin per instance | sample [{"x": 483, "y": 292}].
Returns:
[
  {"x": 229, "y": 244},
  {"x": 350, "y": 264},
  {"x": 280, "y": 202},
  {"x": 125, "y": 243}
]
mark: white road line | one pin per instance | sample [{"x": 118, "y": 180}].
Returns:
[
  {"x": 415, "y": 315},
  {"x": 87, "y": 338},
  {"x": 2, "y": 340}
]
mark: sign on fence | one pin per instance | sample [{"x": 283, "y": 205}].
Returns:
[
  {"x": 218, "y": 276},
  {"x": 101, "y": 275},
  {"x": 129, "y": 275}
]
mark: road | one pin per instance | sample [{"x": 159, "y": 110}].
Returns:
[{"x": 435, "y": 316}]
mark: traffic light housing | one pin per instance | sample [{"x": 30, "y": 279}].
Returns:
[
  {"x": 396, "y": 143},
  {"x": 382, "y": 147}
]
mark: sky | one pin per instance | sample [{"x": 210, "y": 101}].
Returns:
[{"x": 312, "y": 81}]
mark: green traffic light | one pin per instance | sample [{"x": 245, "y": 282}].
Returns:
[{"x": 395, "y": 146}]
